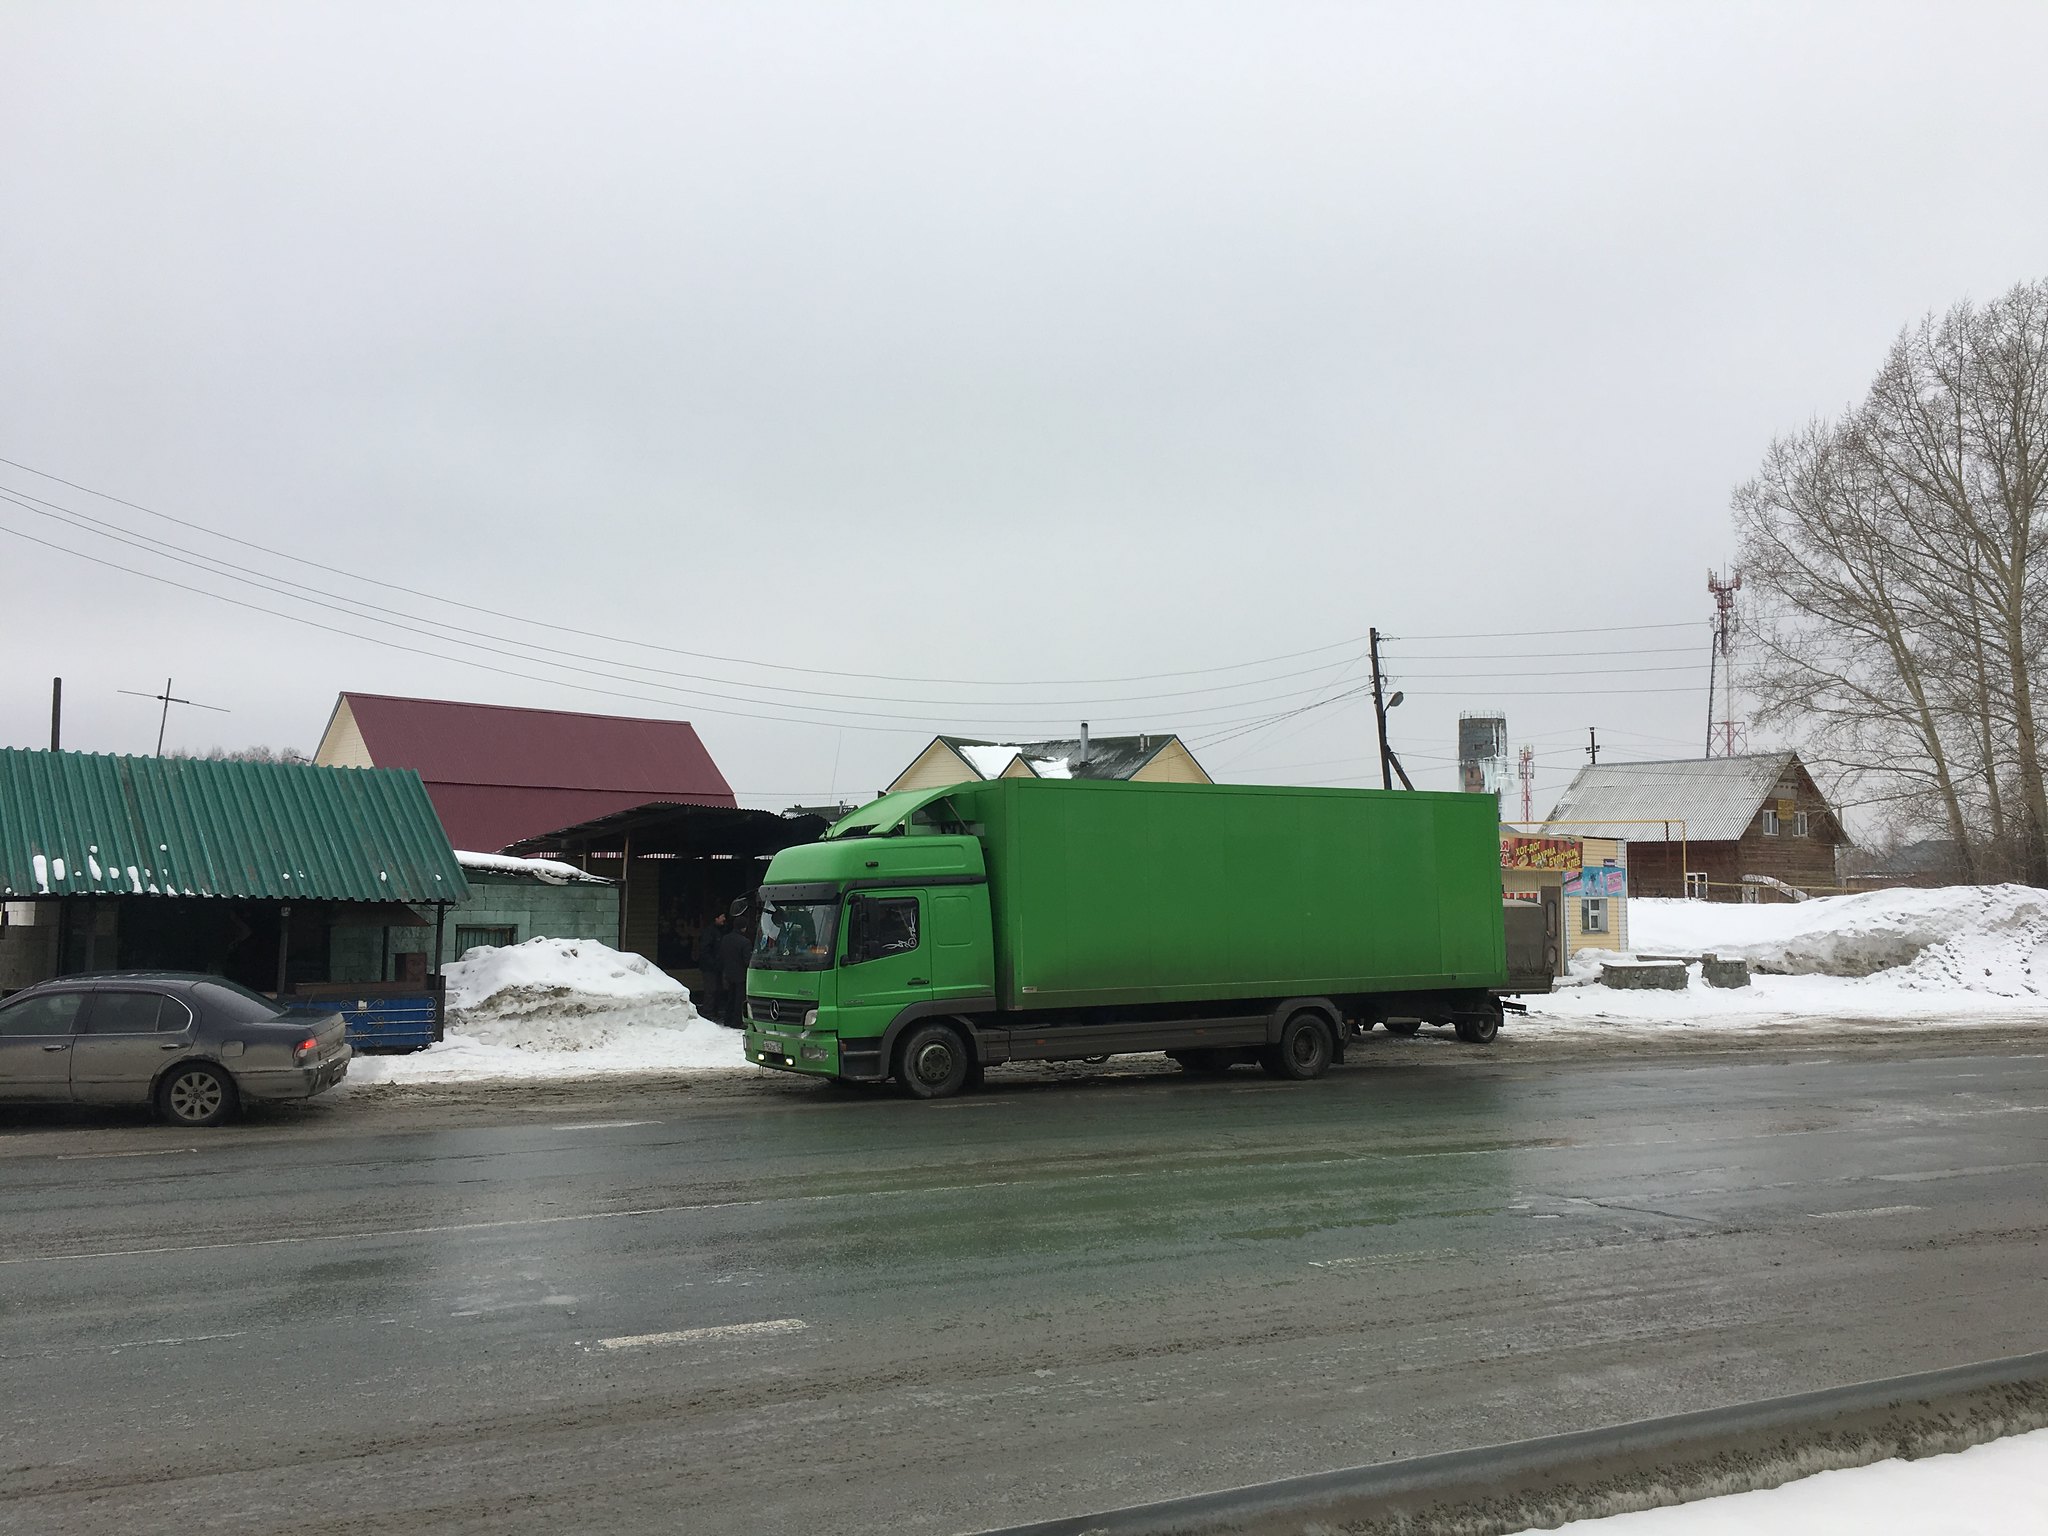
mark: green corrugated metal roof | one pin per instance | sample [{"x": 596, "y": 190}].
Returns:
[{"x": 79, "y": 823}]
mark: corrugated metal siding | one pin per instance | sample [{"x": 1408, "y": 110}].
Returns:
[{"x": 77, "y": 823}]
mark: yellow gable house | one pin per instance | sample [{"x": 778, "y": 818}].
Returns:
[{"x": 1142, "y": 759}]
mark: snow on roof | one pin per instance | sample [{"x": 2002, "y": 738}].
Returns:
[
  {"x": 548, "y": 871},
  {"x": 1109, "y": 757},
  {"x": 1716, "y": 798}
]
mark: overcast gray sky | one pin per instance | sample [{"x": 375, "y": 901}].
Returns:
[{"x": 1002, "y": 344}]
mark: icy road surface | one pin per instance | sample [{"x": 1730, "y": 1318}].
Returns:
[{"x": 721, "y": 1304}]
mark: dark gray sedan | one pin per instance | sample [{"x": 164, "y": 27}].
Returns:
[{"x": 194, "y": 1046}]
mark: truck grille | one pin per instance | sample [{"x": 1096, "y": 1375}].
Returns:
[{"x": 778, "y": 1010}]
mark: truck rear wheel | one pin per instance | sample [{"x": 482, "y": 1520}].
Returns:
[
  {"x": 933, "y": 1062},
  {"x": 1478, "y": 1029},
  {"x": 1303, "y": 1050}
]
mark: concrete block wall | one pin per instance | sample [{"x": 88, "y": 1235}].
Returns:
[{"x": 531, "y": 908}]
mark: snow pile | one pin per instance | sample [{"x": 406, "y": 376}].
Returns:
[
  {"x": 554, "y": 977},
  {"x": 1987, "y": 1490},
  {"x": 553, "y": 1008},
  {"x": 1998, "y": 925}
]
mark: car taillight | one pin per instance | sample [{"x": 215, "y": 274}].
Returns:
[{"x": 306, "y": 1047}]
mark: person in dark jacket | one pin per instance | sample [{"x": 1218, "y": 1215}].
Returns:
[
  {"x": 709, "y": 964},
  {"x": 733, "y": 952}
]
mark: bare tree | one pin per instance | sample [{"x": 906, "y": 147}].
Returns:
[
  {"x": 259, "y": 754},
  {"x": 1902, "y": 556}
]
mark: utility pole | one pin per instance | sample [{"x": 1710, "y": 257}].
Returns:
[
  {"x": 56, "y": 713},
  {"x": 167, "y": 701},
  {"x": 1390, "y": 764},
  {"x": 1379, "y": 707},
  {"x": 1722, "y": 660},
  {"x": 1593, "y": 743}
]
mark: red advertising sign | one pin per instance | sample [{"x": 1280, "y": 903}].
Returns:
[{"x": 1517, "y": 852}]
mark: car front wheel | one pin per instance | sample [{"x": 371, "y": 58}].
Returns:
[{"x": 196, "y": 1094}]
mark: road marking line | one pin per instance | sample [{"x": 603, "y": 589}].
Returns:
[
  {"x": 197, "y": 1338},
  {"x": 1872, "y": 1210},
  {"x": 1405, "y": 1256},
  {"x": 602, "y": 1125},
  {"x": 705, "y": 1335},
  {"x": 86, "y": 1157}
]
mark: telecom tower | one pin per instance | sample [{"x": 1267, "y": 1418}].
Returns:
[
  {"x": 1732, "y": 733},
  {"x": 1525, "y": 772}
]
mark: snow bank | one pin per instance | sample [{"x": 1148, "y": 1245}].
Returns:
[
  {"x": 1959, "y": 954},
  {"x": 2001, "y": 927},
  {"x": 552, "y": 1008},
  {"x": 1987, "y": 1490}
]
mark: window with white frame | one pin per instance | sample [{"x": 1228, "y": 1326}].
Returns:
[
  {"x": 1696, "y": 884},
  {"x": 1800, "y": 825},
  {"x": 1771, "y": 823},
  {"x": 1593, "y": 914}
]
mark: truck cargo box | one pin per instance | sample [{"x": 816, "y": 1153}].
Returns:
[{"x": 1106, "y": 892}]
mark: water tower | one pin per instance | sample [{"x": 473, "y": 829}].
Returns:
[{"x": 1483, "y": 755}]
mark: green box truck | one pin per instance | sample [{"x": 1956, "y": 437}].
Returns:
[{"x": 937, "y": 932}]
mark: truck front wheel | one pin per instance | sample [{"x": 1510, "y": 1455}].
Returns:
[
  {"x": 1303, "y": 1050},
  {"x": 933, "y": 1062}
]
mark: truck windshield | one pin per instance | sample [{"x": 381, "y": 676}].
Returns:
[{"x": 796, "y": 935}]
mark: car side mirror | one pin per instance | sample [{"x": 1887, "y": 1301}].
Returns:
[{"x": 740, "y": 908}]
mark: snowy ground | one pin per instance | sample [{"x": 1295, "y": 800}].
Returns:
[
  {"x": 1962, "y": 954},
  {"x": 1999, "y": 1489},
  {"x": 561, "y": 1008},
  {"x": 556, "y": 1008}
]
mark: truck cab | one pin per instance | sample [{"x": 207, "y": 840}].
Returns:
[{"x": 859, "y": 936}]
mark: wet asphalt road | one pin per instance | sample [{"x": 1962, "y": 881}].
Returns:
[{"x": 809, "y": 1310}]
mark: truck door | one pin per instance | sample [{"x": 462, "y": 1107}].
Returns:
[{"x": 887, "y": 962}]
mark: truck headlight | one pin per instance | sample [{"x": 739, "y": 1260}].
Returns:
[
  {"x": 811, "y": 1019},
  {"x": 814, "y": 1053}
]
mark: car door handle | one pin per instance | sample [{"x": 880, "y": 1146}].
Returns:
[
  {"x": 171, "y": 1045},
  {"x": 65, "y": 1047},
  {"x": 917, "y": 981}
]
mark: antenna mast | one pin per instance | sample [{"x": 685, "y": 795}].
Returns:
[{"x": 164, "y": 716}]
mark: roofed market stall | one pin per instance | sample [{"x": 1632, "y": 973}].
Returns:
[{"x": 274, "y": 875}]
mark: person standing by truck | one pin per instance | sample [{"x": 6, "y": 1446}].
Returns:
[
  {"x": 734, "y": 951},
  {"x": 710, "y": 965}
]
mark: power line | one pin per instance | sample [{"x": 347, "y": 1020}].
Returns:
[
  {"x": 739, "y": 661},
  {"x": 912, "y": 725},
  {"x": 984, "y": 710},
  {"x": 213, "y": 566},
  {"x": 1517, "y": 634}
]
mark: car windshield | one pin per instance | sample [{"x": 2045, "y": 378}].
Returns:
[
  {"x": 237, "y": 1003},
  {"x": 795, "y": 935}
]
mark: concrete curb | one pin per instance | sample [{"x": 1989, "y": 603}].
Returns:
[{"x": 1588, "y": 1473}]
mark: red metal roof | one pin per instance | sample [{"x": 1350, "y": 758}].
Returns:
[{"x": 498, "y": 774}]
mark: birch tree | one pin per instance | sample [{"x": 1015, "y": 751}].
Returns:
[{"x": 1901, "y": 555}]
